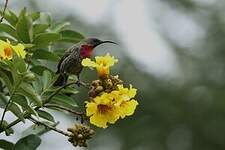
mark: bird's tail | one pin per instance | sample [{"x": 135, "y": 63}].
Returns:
[{"x": 61, "y": 80}]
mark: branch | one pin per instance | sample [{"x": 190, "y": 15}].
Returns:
[
  {"x": 3, "y": 115},
  {"x": 49, "y": 99},
  {"x": 10, "y": 100},
  {"x": 63, "y": 87},
  {"x": 48, "y": 126},
  {"x": 64, "y": 108},
  {"x": 3, "y": 12}
]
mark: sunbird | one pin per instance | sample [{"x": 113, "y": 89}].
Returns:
[{"x": 70, "y": 63}]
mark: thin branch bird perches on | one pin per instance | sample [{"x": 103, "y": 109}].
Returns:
[{"x": 4, "y": 9}]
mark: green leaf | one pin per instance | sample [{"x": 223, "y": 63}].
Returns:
[
  {"x": 37, "y": 84},
  {"x": 59, "y": 26},
  {"x": 4, "y": 38},
  {"x": 46, "y": 55},
  {"x": 64, "y": 100},
  {"x": 71, "y": 36},
  {"x": 14, "y": 108},
  {"x": 6, "y": 145},
  {"x": 5, "y": 77},
  {"x": 3, "y": 100},
  {"x": 13, "y": 71},
  {"x": 59, "y": 52},
  {"x": 46, "y": 79},
  {"x": 39, "y": 28},
  {"x": 38, "y": 69},
  {"x": 69, "y": 90},
  {"x": 8, "y": 131},
  {"x": 45, "y": 18},
  {"x": 20, "y": 64},
  {"x": 30, "y": 93},
  {"x": 35, "y": 16},
  {"x": 45, "y": 115},
  {"x": 22, "y": 101},
  {"x": 44, "y": 39},
  {"x": 23, "y": 12},
  {"x": 8, "y": 29},
  {"x": 24, "y": 28},
  {"x": 30, "y": 142},
  {"x": 28, "y": 45},
  {"x": 10, "y": 17}
]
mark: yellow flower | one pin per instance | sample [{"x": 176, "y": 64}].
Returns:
[
  {"x": 6, "y": 50},
  {"x": 19, "y": 49},
  {"x": 124, "y": 100},
  {"x": 101, "y": 63},
  {"x": 124, "y": 94},
  {"x": 127, "y": 108},
  {"x": 102, "y": 111},
  {"x": 109, "y": 107}
]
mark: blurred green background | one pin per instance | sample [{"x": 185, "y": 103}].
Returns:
[{"x": 172, "y": 51}]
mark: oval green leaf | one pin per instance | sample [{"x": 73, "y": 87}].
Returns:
[
  {"x": 71, "y": 36},
  {"x": 44, "y": 39},
  {"x": 46, "y": 55},
  {"x": 30, "y": 142}
]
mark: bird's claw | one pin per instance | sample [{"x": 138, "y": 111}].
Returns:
[{"x": 78, "y": 83}]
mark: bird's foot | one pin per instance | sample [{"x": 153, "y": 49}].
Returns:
[{"x": 80, "y": 83}]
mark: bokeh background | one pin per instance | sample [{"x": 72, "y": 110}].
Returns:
[{"x": 173, "y": 51}]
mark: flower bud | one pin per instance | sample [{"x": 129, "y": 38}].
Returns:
[
  {"x": 99, "y": 89},
  {"x": 79, "y": 134}
]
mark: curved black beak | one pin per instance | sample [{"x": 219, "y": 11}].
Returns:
[
  {"x": 102, "y": 42},
  {"x": 109, "y": 42}
]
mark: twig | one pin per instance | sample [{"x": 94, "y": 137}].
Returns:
[
  {"x": 63, "y": 87},
  {"x": 3, "y": 12},
  {"x": 11, "y": 124},
  {"x": 48, "y": 126},
  {"x": 14, "y": 122},
  {"x": 48, "y": 100},
  {"x": 3, "y": 115},
  {"x": 10, "y": 100},
  {"x": 64, "y": 108}
]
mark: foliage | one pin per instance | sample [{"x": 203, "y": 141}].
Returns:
[
  {"x": 26, "y": 83},
  {"x": 27, "y": 43}
]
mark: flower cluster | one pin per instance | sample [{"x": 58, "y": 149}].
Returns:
[
  {"x": 109, "y": 99},
  {"x": 79, "y": 134},
  {"x": 7, "y": 50}
]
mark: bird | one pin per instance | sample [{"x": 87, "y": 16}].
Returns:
[{"x": 70, "y": 62}]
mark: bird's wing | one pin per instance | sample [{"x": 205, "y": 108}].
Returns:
[
  {"x": 66, "y": 54},
  {"x": 70, "y": 63}
]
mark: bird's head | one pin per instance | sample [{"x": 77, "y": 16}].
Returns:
[{"x": 89, "y": 44}]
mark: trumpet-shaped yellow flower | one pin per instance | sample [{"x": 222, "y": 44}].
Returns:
[
  {"x": 102, "y": 111},
  {"x": 101, "y": 63},
  {"x": 127, "y": 108},
  {"x": 109, "y": 107},
  {"x": 19, "y": 49},
  {"x": 124, "y": 100},
  {"x": 6, "y": 50}
]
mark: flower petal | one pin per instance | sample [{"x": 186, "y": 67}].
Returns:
[
  {"x": 132, "y": 91},
  {"x": 88, "y": 63},
  {"x": 99, "y": 120},
  {"x": 19, "y": 49},
  {"x": 127, "y": 108},
  {"x": 91, "y": 108}
]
